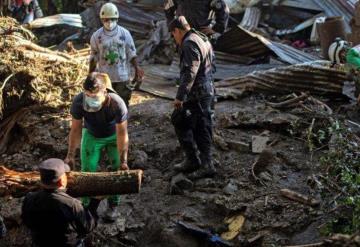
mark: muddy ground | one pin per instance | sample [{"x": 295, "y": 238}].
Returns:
[{"x": 151, "y": 216}]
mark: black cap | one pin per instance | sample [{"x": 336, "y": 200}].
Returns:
[
  {"x": 178, "y": 22},
  {"x": 51, "y": 170}
]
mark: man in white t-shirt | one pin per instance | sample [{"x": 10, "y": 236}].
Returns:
[{"x": 112, "y": 52}]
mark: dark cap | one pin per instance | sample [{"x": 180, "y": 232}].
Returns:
[
  {"x": 51, "y": 170},
  {"x": 178, "y": 22}
]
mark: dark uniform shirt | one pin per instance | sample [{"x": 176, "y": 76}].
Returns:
[
  {"x": 103, "y": 122},
  {"x": 197, "y": 13},
  {"x": 196, "y": 67},
  {"x": 57, "y": 219}
]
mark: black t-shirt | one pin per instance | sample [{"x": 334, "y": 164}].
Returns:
[{"x": 103, "y": 122}]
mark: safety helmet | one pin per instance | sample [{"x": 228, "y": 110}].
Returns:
[
  {"x": 109, "y": 11},
  {"x": 335, "y": 49}
]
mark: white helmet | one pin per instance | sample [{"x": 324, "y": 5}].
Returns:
[
  {"x": 109, "y": 11},
  {"x": 335, "y": 49}
]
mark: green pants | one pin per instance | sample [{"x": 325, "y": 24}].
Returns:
[{"x": 91, "y": 148}]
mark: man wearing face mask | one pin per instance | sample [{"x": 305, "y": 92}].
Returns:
[
  {"x": 112, "y": 50},
  {"x": 105, "y": 116}
]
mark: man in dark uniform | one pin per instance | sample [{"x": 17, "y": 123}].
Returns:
[
  {"x": 54, "y": 217},
  {"x": 199, "y": 14},
  {"x": 192, "y": 114}
]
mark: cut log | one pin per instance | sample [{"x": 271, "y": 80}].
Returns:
[
  {"x": 17, "y": 184},
  {"x": 292, "y": 195}
]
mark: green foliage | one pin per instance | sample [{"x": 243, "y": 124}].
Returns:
[{"x": 343, "y": 163}]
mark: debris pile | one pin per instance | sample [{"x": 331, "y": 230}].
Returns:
[
  {"x": 33, "y": 79},
  {"x": 286, "y": 150}
]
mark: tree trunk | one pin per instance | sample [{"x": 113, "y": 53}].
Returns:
[{"x": 80, "y": 184}]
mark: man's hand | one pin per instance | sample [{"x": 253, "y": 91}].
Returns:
[
  {"x": 139, "y": 74},
  {"x": 124, "y": 167},
  {"x": 178, "y": 104},
  {"x": 358, "y": 100},
  {"x": 70, "y": 160}
]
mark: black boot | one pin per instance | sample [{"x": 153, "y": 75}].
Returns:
[
  {"x": 186, "y": 166},
  {"x": 207, "y": 170}
]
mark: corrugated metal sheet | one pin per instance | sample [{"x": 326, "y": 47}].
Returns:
[
  {"x": 316, "y": 78},
  {"x": 344, "y": 8},
  {"x": 245, "y": 43},
  {"x": 301, "y": 26},
  {"x": 301, "y": 4},
  {"x": 60, "y": 19},
  {"x": 251, "y": 18}
]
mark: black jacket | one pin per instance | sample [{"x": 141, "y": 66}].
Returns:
[
  {"x": 57, "y": 219},
  {"x": 197, "y": 13},
  {"x": 196, "y": 67}
]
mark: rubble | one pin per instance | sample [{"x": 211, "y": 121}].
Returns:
[{"x": 263, "y": 84}]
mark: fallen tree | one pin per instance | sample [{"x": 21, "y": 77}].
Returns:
[
  {"x": 17, "y": 184},
  {"x": 34, "y": 75}
]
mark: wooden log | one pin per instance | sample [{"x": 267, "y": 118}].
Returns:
[
  {"x": 295, "y": 196},
  {"x": 17, "y": 184}
]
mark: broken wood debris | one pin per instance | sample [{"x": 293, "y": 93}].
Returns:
[
  {"x": 290, "y": 102},
  {"x": 17, "y": 184},
  {"x": 295, "y": 196}
]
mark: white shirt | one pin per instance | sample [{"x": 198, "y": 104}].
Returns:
[{"x": 113, "y": 51}]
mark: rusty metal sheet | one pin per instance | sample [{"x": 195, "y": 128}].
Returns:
[
  {"x": 245, "y": 43},
  {"x": 315, "y": 77}
]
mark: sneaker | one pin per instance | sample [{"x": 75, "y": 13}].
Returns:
[
  {"x": 186, "y": 166},
  {"x": 110, "y": 214}
]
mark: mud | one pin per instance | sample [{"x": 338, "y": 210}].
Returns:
[{"x": 149, "y": 218}]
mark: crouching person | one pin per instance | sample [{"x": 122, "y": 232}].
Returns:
[
  {"x": 53, "y": 217},
  {"x": 104, "y": 115}
]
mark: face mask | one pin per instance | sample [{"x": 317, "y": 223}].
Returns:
[
  {"x": 110, "y": 25},
  {"x": 93, "y": 104}
]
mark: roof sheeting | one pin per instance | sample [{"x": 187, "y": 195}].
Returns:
[
  {"x": 344, "y": 8},
  {"x": 315, "y": 77},
  {"x": 60, "y": 19},
  {"x": 245, "y": 43}
]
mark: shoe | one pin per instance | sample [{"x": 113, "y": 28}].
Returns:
[
  {"x": 110, "y": 214},
  {"x": 205, "y": 171},
  {"x": 186, "y": 166}
]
